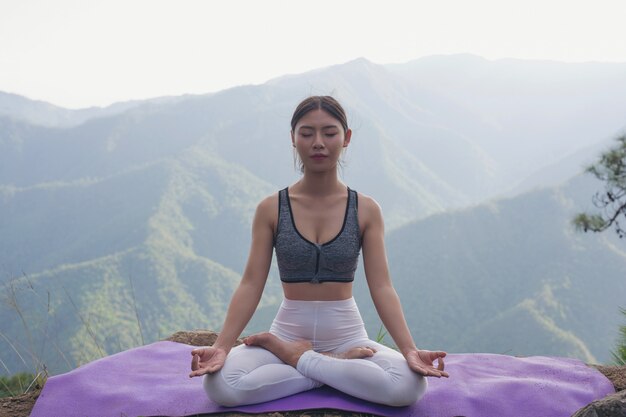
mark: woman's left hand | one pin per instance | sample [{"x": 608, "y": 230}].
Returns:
[{"x": 421, "y": 361}]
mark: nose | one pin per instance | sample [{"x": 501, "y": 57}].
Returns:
[{"x": 318, "y": 143}]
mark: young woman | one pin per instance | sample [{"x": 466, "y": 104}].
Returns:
[{"x": 317, "y": 226}]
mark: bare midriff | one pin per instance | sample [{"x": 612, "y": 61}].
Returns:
[{"x": 325, "y": 291}]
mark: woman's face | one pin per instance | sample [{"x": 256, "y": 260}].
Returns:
[{"x": 319, "y": 139}]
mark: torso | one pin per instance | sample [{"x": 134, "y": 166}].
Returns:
[
  {"x": 328, "y": 291},
  {"x": 318, "y": 220}
]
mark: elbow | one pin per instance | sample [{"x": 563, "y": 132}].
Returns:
[
  {"x": 382, "y": 292},
  {"x": 251, "y": 287}
]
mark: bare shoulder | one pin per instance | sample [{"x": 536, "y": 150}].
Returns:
[
  {"x": 369, "y": 210},
  {"x": 267, "y": 210},
  {"x": 268, "y": 203}
]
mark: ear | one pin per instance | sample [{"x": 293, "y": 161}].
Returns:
[
  {"x": 347, "y": 136},
  {"x": 293, "y": 139}
]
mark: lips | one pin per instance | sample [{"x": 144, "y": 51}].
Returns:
[{"x": 318, "y": 156}]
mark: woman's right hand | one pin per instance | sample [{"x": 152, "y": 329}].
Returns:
[{"x": 207, "y": 361}]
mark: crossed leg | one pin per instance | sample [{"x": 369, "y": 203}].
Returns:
[
  {"x": 269, "y": 368},
  {"x": 362, "y": 368},
  {"x": 252, "y": 374},
  {"x": 290, "y": 352}
]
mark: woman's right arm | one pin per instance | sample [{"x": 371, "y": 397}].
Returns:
[{"x": 248, "y": 294}]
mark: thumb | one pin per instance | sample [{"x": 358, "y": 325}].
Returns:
[{"x": 440, "y": 364}]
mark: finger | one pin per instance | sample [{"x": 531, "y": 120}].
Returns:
[
  {"x": 198, "y": 351},
  {"x": 432, "y": 372},
  {"x": 194, "y": 362},
  {"x": 440, "y": 364},
  {"x": 441, "y": 373},
  {"x": 428, "y": 371},
  {"x": 198, "y": 372},
  {"x": 213, "y": 368},
  {"x": 437, "y": 354}
]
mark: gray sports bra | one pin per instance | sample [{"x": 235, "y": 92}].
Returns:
[{"x": 300, "y": 260}]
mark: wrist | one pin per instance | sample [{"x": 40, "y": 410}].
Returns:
[
  {"x": 405, "y": 350},
  {"x": 220, "y": 344},
  {"x": 217, "y": 345},
  {"x": 225, "y": 340}
]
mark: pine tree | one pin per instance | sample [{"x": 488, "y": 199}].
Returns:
[{"x": 611, "y": 169}]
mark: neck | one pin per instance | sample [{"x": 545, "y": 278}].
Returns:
[{"x": 320, "y": 183}]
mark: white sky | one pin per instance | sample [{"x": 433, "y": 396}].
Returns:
[{"x": 78, "y": 53}]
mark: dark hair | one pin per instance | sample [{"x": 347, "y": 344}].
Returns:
[{"x": 326, "y": 103}]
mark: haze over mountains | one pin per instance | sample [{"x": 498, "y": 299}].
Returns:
[{"x": 160, "y": 194}]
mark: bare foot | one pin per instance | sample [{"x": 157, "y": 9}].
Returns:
[
  {"x": 288, "y": 352},
  {"x": 354, "y": 353}
]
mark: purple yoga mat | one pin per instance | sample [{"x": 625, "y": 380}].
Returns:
[{"x": 153, "y": 381}]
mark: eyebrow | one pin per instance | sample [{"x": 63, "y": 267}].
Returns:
[{"x": 323, "y": 127}]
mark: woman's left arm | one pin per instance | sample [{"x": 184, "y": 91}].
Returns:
[{"x": 384, "y": 295}]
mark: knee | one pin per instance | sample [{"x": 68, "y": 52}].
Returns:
[
  {"x": 220, "y": 392},
  {"x": 407, "y": 391},
  {"x": 404, "y": 386}
]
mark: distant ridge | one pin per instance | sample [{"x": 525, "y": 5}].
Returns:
[
  {"x": 163, "y": 192},
  {"x": 49, "y": 115},
  {"x": 511, "y": 276}
]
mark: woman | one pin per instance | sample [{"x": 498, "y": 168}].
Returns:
[{"x": 317, "y": 226}]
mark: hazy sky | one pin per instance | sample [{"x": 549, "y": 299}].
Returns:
[{"x": 78, "y": 53}]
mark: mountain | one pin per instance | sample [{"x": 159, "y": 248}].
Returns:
[
  {"x": 511, "y": 276},
  {"x": 45, "y": 114},
  {"x": 525, "y": 114},
  {"x": 556, "y": 173},
  {"x": 115, "y": 273},
  {"x": 127, "y": 226}
]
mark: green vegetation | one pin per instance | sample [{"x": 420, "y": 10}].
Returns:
[
  {"x": 380, "y": 337},
  {"x": 619, "y": 355},
  {"x": 490, "y": 278},
  {"x": 149, "y": 268},
  {"x": 611, "y": 170},
  {"x": 507, "y": 277},
  {"x": 19, "y": 383},
  {"x": 132, "y": 227}
]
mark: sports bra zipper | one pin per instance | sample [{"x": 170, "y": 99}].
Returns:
[{"x": 315, "y": 280}]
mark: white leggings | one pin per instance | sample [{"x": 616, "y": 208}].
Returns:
[{"x": 252, "y": 374}]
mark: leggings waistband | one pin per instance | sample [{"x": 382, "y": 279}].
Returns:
[{"x": 348, "y": 302}]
